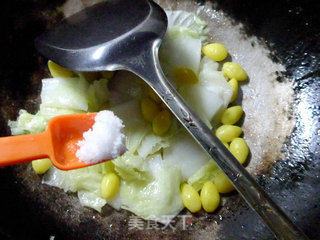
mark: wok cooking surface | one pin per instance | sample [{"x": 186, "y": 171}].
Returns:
[{"x": 289, "y": 171}]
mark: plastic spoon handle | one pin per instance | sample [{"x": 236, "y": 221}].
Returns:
[
  {"x": 271, "y": 214},
  {"x": 23, "y": 148}
]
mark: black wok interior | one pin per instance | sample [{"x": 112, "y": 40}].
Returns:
[{"x": 291, "y": 29}]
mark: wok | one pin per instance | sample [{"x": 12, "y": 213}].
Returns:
[{"x": 277, "y": 42}]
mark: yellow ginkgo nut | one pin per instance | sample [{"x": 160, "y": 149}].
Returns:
[
  {"x": 109, "y": 185},
  {"x": 190, "y": 198},
  {"x": 234, "y": 70},
  {"x": 210, "y": 197},
  {"x": 149, "y": 109},
  {"x": 226, "y": 133},
  {"x": 223, "y": 183},
  {"x": 234, "y": 85},
  {"x": 59, "y": 71},
  {"x": 215, "y": 51},
  {"x": 239, "y": 149},
  {"x": 185, "y": 75},
  {"x": 162, "y": 123},
  {"x": 231, "y": 115},
  {"x": 40, "y": 166}
]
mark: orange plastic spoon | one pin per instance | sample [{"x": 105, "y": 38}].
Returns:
[{"x": 57, "y": 142}]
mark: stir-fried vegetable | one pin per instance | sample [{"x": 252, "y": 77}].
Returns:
[{"x": 161, "y": 156}]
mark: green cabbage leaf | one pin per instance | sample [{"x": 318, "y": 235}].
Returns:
[{"x": 206, "y": 173}]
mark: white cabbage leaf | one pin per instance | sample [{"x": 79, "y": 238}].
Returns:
[
  {"x": 27, "y": 123},
  {"x": 181, "y": 50},
  {"x": 135, "y": 126},
  {"x": 156, "y": 199},
  {"x": 152, "y": 143},
  {"x": 65, "y": 93},
  {"x": 91, "y": 199},
  {"x": 49, "y": 112},
  {"x": 181, "y": 46},
  {"x": 132, "y": 168},
  {"x": 85, "y": 181},
  {"x": 212, "y": 95},
  {"x": 98, "y": 95},
  {"x": 186, "y": 154},
  {"x": 68, "y": 96},
  {"x": 187, "y": 21}
]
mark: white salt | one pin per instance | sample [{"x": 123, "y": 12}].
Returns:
[{"x": 104, "y": 140}]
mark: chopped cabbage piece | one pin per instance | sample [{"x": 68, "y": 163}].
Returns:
[
  {"x": 132, "y": 167},
  {"x": 80, "y": 179},
  {"x": 204, "y": 174},
  {"x": 50, "y": 112},
  {"x": 65, "y": 93},
  {"x": 98, "y": 95},
  {"x": 152, "y": 144},
  {"x": 187, "y": 21},
  {"x": 154, "y": 164},
  {"x": 27, "y": 123},
  {"x": 135, "y": 126},
  {"x": 211, "y": 96},
  {"x": 186, "y": 154},
  {"x": 116, "y": 201},
  {"x": 207, "y": 63},
  {"x": 187, "y": 53},
  {"x": 182, "y": 57},
  {"x": 158, "y": 198},
  {"x": 92, "y": 200},
  {"x": 69, "y": 96},
  {"x": 85, "y": 181},
  {"x": 181, "y": 46}
]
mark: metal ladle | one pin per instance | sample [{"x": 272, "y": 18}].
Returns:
[{"x": 126, "y": 35}]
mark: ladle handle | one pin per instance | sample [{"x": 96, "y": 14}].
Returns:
[
  {"x": 23, "y": 148},
  {"x": 271, "y": 214}
]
